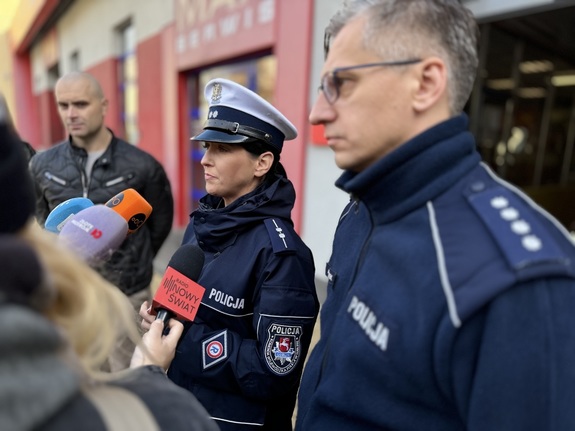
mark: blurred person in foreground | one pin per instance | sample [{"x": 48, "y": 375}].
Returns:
[
  {"x": 451, "y": 294},
  {"x": 243, "y": 355},
  {"x": 29, "y": 150},
  {"x": 95, "y": 164},
  {"x": 59, "y": 319}
]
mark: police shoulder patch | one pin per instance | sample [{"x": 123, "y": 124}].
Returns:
[
  {"x": 280, "y": 236},
  {"x": 515, "y": 227},
  {"x": 215, "y": 349},
  {"x": 283, "y": 348}
]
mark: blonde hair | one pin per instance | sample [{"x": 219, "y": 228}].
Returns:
[{"x": 92, "y": 313}]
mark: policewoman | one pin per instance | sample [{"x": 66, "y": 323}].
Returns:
[{"x": 243, "y": 355}]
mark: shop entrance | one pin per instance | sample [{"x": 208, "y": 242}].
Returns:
[{"x": 523, "y": 107}]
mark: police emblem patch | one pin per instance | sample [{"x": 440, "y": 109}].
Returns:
[
  {"x": 215, "y": 349},
  {"x": 283, "y": 347}
]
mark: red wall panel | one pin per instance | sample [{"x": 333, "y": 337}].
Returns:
[
  {"x": 27, "y": 110},
  {"x": 293, "y": 52},
  {"x": 106, "y": 73},
  {"x": 150, "y": 119},
  {"x": 183, "y": 206},
  {"x": 50, "y": 124}
]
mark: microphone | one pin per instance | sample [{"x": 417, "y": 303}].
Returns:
[
  {"x": 94, "y": 233},
  {"x": 132, "y": 207},
  {"x": 62, "y": 213},
  {"x": 178, "y": 294}
]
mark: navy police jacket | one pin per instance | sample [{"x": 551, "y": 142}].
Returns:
[
  {"x": 243, "y": 355},
  {"x": 450, "y": 302}
]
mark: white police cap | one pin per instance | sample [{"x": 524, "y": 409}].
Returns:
[{"x": 237, "y": 115}]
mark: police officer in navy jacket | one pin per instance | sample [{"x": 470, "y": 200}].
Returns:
[
  {"x": 451, "y": 294},
  {"x": 243, "y": 355}
]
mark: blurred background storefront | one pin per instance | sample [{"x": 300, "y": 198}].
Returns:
[
  {"x": 523, "y": 106},
  {"x": 153, "y": 58},
  {"x": 252, "y": 42}
]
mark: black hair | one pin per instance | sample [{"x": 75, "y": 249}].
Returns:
[{"x": 258, "y": 147}]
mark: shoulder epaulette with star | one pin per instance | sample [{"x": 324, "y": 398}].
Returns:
[
  {"x": 513, "y": 225},
  {"x": 280, "y": 236}
]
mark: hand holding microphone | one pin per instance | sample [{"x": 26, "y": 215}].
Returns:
[
  {"x": 178, "y": 294},
  {"x": 158, "y": 349}
]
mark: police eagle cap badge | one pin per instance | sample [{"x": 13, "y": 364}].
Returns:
[{"x": 217, "y": 93}]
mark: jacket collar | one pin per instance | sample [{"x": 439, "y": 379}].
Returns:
[
  {"x": 218, "y": 228},
  {"x": 416, "y": 172},
  {"x": 106, "y": 158}
]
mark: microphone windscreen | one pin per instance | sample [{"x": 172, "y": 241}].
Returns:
[
  {"x": 178, "y": 291},
  {"x": 132, "y": 207},
  {"x": 94, "y": 233},
  {"x": 189, "y": 260},
  {"x": 60, "y": 214}
]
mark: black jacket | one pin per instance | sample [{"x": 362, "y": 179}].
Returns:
[
  {"x": 58, "y": 174},
  {"x": 28, "y": 150}
]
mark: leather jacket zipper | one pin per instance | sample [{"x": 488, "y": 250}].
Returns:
[
  {"x": 54, "y": 178},
  {"x": 85, "y": 184},
  {"x": 119, "y": 180}
]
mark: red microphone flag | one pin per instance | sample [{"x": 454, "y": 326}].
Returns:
[{"x": 178, "y": 294}]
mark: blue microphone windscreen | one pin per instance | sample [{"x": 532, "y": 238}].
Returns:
[{"x": 60, "y": 214}]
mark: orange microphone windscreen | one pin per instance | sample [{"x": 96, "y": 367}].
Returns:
[{"x": 132, "y": 207}]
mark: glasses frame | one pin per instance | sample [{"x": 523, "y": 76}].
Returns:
[{"x": 336, "y": 82}]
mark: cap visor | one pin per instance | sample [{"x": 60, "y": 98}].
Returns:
[{"x": 209, "y": 135}]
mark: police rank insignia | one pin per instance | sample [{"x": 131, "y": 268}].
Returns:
[
  {"x": 215, "y": 349},
  {"x": 283, "y": 348},
  {"x": 279, "y": 236}
]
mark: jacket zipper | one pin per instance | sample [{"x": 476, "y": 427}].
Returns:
[
  {"x": 359, "y": 262},
  {"x": 54, "y": 178},
  {"x": 119, "y": 180},
  {"x": 85, "y": 184}
]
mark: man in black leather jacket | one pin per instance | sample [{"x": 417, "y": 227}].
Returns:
[{"x": 95, "y": 164}]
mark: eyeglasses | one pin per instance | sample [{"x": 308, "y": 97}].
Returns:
[{"x": 331, "y": 83}]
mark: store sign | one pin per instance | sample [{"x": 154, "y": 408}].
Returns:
[
  {"x": 498, "y": 8},
  {"x": 212, "y": 30}
]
